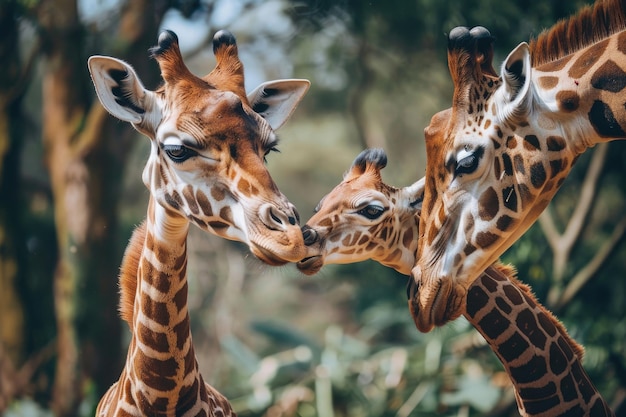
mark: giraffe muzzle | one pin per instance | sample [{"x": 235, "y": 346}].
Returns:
[
  {"x": 314, "y": 261},
  {"x": 310, "y": 265},
  {"x": 275, "y": 218}
]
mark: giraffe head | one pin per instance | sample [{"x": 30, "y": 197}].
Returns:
[
  {"x": 208, "y": 143},
  {"x": 496, "y": 158},
  {"x": 364, "y": 218}
]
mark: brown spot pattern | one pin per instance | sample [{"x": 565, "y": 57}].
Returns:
[
  {"x": 504, "y": 222},
  {"x": 548, "y": 82},
  {"x": 244, "y": 187},
  {"x": 621, "y": 42},
  {"x": 568, "y": 101},
  {"x": 511, "y": 142},
  {"x": 204, "y": 203},
  {"x": 407, "y": 238},
  {"x": 528, "y": 325},
  {"x": 155, "y": 310},
  {"x": 584, "y": 63},
  {"x": 497, "y": 169},
  {"x": 488, "y": 204},
  {"x": 469, "y": 222},
  {"x": 609, "y": 77},
  {"x": 227, "y": 214},
  {"x": 509, "y": 198},
  {"x": 218, "y": 193},
  {"x": 531, "y": 143},
  {"x": 557, "y": 65},
  {"x": 190, "y": 199},
  {"x": 555, "y": 143},
  {"x": 537, "y": 175},
  {"x": 485, "y": 239},
  {"x": 518, "y": 163}
]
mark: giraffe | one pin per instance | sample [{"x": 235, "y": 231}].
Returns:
[
  {"x": 206, "y": 167},
  {"x": 496, "y": 158},
  {"x": 364, "y": 218}
]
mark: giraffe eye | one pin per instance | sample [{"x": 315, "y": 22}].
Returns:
[
  {"x": 178, "y": 153},
  {"x": 468, "y": 164},
  {"x": 371, "y": 212}
]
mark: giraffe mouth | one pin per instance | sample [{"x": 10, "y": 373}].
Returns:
[
  {"x": 310, "y": 265},
  {"x": 267, "y": 256}
]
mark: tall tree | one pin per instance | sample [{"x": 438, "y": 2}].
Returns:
[
  {"x": 85, "y": 153},
  {"x": 12, "y": 83}
]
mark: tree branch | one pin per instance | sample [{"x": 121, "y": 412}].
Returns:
[
  {"x": 91, "y": 134},
  {"x": 562, "y": 244},
  {"x": 546, "y": 221},
  {"x": 587, "y": 197},
  {"x": 586, "y": 273}
]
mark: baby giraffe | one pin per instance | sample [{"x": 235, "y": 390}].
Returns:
[
  {"x": 206, "y": 167},
  {"x": 364, "y": 218}
]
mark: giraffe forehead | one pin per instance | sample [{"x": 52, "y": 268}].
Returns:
[
  {"x": 353, "y": 193},
  {"x": 365, "y": 197},
  {"x": 218, "y": 115}
]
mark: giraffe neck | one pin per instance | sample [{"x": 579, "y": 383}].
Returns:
[
  {"x": 582, "y": 93},
  {"x": 541, "y": 359},
  {"x": 399, "y": 244},
  {"x": 161, "y": 375}
]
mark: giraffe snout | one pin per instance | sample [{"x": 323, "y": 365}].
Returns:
[{"x": 276, "y": 219}]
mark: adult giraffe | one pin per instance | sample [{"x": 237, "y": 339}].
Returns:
[
  {"x": 206, "y": 167},
  {"x": 498, "y": 156},
  {"x": 364, "y": 218}
]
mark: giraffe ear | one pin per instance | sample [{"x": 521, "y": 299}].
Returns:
[
  {"x": 276, "y": 100},
  {"x": 515, "y": 93},
  {"x": 119, "y": 89},
  {"x": 415, "y": 194}
]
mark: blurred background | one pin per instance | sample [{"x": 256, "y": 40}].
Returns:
[{"x": 275, "y": 342}]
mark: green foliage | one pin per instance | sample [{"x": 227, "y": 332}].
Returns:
[{"x": 27, "y": 408}]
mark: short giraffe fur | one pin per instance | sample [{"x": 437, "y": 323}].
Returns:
[
  {"x": 497, "y": 157},
  {"x": 206, "y": 167},
  {"x": 364, "y": 218}
]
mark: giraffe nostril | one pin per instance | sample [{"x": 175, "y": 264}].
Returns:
[{"x": 309, "y": 235}]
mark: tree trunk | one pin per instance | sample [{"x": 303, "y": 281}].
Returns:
[
  {"x": 85, "y": 152},
  {"x": 64, "y": 103},
  {"x": 11, "y": 307}
]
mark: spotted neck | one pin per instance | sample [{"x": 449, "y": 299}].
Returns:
[
  {"x": 539, "y": 356},
  {"x": 161, "y": 375}
]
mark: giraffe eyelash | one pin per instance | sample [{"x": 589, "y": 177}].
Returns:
[{"x": 272, "y": 148}]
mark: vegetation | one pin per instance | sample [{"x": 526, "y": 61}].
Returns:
[{"x": 339, "y": 344}]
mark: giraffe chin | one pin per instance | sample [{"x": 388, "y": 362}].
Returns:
[
  {"x": 310, "y": 265},
  {"x": 436, "y": 305}
]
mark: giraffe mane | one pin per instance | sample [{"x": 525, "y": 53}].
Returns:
[
  {"x": 128, "y": 273},
  {"x": 511, "y": 274},
  {"x": 572, "y": 34}
]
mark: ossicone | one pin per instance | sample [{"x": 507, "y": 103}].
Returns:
[{"x": 170, "y": 60}]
